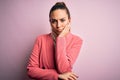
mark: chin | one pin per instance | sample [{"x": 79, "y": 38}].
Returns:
[{"x": 58, "y": 32}]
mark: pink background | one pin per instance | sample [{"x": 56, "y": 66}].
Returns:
[{"x": 96, "y": 21}]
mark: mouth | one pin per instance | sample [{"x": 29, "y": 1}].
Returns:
[{"x": 60, "y": 29}]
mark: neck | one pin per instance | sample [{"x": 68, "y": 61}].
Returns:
[{"x": 54, "y": 34}]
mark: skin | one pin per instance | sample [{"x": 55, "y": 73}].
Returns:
[{"x": 60, "y": 24}]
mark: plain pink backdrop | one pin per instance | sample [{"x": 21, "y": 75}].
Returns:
[{"x": 97, "y": 22}]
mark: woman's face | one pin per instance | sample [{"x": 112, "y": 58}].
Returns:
[{"x": 58, "y": 20}]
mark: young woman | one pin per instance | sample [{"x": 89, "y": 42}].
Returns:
[{"x": 54, "y": 54}]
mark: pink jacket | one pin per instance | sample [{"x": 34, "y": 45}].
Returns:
[{"x": 47, "y": 62}]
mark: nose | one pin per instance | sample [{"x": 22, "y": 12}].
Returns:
[{"x": 58, "y": 24}]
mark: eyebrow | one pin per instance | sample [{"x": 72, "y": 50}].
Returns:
[{"x": 59, "y": 19}]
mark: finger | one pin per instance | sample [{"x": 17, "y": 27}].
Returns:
[
  {"x": 67, "y": 25},
  {"x": 70, "y": 78},
  {"x": 65, "y": 31},
  {"x": 75, "y": 75},
  {"x": 67, "y": 28}
]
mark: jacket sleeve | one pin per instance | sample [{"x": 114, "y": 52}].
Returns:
[
  {"x": 66, "y": 58},
  {"x": 34, "y": 70}
]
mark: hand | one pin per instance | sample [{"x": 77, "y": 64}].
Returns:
[
  {"x": 68, "y": 76},
  {"x": 65, "y": 31}
]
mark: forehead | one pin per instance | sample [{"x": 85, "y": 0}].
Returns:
[{"x": 58, "y": 14}]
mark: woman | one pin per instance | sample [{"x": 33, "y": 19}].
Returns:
[{"x": 54, "y": 54}]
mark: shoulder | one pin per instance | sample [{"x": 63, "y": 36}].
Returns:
[
  {"x": 76, "y": 37},
  {"x": 42, "y": 37}
]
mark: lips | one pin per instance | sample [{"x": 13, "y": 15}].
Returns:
[{"x": 60, "y": 29}]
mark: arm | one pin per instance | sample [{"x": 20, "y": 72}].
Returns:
[
  {"x": 66, "y": 58},
  {"x": 34, "y": 67}
]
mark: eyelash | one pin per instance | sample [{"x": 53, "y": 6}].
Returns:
[
  {"x": 53, "y": 21},
  {"x": 62, "y": 20}
]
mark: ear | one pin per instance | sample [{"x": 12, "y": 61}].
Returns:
[{"x": 69, "y": 20}]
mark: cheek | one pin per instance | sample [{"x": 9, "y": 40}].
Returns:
[
  {"x": 53, "y": 26},
  {"x": 65, "y": 23}
]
